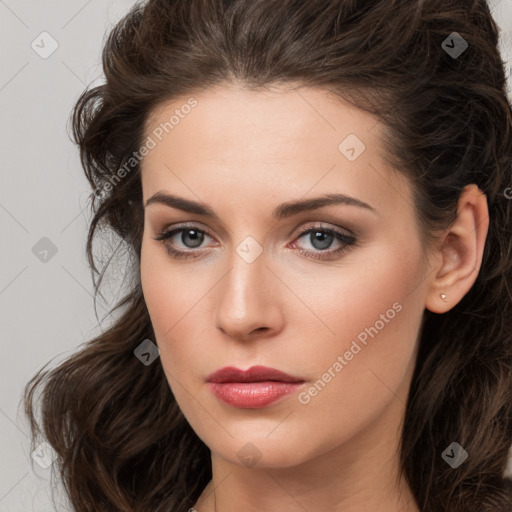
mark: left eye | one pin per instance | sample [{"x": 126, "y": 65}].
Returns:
[
  {"x": 324, "y": 237},
  {"x": 321, "y": 239}
]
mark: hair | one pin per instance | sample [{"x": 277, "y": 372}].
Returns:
[{"x": 121, "y": 440}]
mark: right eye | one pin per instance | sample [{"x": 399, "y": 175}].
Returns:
[{"x": 191, "y": 237}]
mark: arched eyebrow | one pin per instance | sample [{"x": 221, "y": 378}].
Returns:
[{"x": 282, "y": 211}]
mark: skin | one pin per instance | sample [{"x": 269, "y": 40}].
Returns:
[{"x": 243, "y": 153}]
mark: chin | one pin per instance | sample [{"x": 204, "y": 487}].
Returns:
[{"x": 261, "y": 452}]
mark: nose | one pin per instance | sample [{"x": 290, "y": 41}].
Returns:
[{"x": 248, "y": 305}]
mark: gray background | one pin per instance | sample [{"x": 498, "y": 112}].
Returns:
[{"x": 46, "y": 307}]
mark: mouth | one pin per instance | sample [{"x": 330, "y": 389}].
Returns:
[{"x": 254, "y": 388}]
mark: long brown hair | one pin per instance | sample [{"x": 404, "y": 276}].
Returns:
[{"x": 121, "y": 439}]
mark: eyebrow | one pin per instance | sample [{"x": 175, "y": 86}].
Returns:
[{"x": 283, "y": 211}]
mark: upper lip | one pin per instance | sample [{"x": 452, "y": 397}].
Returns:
[{"x": 253, "y": 374}]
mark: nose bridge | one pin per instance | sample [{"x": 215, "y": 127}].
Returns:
[
  {"x": 245, "y": 303},
  {"x": 246, "y": 280}
]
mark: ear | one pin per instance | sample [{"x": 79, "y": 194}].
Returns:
[{"x": 459, "y": 257}]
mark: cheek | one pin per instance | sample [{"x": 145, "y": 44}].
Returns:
[
  {"x": 376, "y": 319},
  {"x": 174, "y": 298},
  {"x": 167, "y": 287},
  {"x": 366, "y": 291}
]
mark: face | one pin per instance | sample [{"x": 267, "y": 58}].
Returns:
[{"x": 332, "y": 295}]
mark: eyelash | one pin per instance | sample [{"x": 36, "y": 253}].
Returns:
[{"x": 348, "y": 240}]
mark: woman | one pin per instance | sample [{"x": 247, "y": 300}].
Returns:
[{"x": 316, "y": 194}]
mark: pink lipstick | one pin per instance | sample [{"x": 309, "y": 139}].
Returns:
[{"x": 254, "y": 388}]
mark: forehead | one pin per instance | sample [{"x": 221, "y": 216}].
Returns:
[
  {"x": 281, "y": 141},
  {"x": 231, "y": 121}
]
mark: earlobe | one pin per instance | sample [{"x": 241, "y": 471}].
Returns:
[{"x": 460, "y": 253}]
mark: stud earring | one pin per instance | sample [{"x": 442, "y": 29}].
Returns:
[{"x": 443, "y": 296}]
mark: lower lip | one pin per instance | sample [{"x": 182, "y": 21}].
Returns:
[{"x": 252, "y": 395}]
